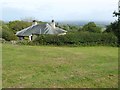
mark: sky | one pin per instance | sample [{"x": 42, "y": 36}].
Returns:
[{"x": 59, "y": 10}]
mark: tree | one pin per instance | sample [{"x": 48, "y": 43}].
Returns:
[
  {"x": 18, "y": 25},
  {"x": 1, "y": 22},
  {"x": 7, "y": 34},
  {"x": 114, "y": 28},
  {"x": 91, "y": 27},
  {"x": 80, "y": 29}
]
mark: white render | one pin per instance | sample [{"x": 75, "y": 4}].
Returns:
[
  {"x": 53, "y": 24},
  {"x": 34, "y": 23},
  {"x": 30, "y": 37}
]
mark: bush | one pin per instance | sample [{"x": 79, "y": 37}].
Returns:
[
  {"x": 92, "y": 27},
  {"x": 18, "y": 25},
  {"x": 7, "y": 34},
  {"x": 115, "y": 29},
  {"x": 77, "y": 39},
  {"x": 24, "y": 42}
]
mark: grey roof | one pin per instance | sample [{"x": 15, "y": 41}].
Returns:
[{"x": 40, "y": 29}]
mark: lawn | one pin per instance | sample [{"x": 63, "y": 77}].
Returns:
[{"x": 59, "y": 67}]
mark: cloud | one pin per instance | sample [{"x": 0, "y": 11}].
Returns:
[
  {"x": 71, "y": 4},
  {"x": 62, "y": 8}
]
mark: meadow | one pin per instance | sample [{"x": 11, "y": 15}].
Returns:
[{"x": 59, "y": 67}]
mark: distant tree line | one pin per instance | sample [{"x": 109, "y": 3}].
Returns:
[{"x": 90, "y": 27}]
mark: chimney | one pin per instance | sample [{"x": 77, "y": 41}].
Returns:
[
  {"x": 34, "y": 23},
  {"x": 53, "y": 24}
]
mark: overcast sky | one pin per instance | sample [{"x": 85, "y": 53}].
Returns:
[{"x": 60, "y": 10}]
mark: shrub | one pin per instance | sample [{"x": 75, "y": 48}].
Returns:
[
  {"x": 18, "y": 25},
  {"x": 77, "y": 39},
  {"x": 115, "y": 29},
  {"x": 92, "y": 27},
  {"x": 7, "y": 34},
  {"x": 25, "y": 42}
]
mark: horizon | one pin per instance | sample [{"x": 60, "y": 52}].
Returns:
[{"x": 60, "y": 11}]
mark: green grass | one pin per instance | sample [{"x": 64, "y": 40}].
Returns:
[{"x": 59, "y": 67}]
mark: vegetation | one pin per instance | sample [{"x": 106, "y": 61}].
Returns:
[
  {"x": 114, "y": 28},
  {"x": 91, "y": 27},
  {"x": 77, "y": 39},
  {"x": 89, "y": 34},
  {"x": 59, "y": 67},
  {"x": 6, "y": 33},
  {"x": 8, "y": 30},
  {"x": 18, "y": 25},
  {"x": 69, "y": 28}
]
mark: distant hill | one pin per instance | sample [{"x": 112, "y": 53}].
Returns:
[{"x": 81, "y": 23}]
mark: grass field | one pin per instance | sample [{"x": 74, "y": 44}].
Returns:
[{"x": 59, "y": 67}]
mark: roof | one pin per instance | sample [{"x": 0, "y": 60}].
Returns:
[{"x": 40, "y": 29}]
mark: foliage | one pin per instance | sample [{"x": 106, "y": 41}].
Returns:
[
  {"x": 74, "y": 27},
  {"x": 24, "y": 42},
  {"x": 70, "y": 28},
  {"x": 89, "y": 34},
  {"x": 80, "y": 29},
  {"x": 77, "y": 39},
  {"x": 7, "y": 34},
  {"x": 1, "y": 22},
  {"x": 91, "y": 27},
  {"x": 18, "y": 25},
  {"x": 114, "y": 28},
  {"x": 65, "y": 27}
]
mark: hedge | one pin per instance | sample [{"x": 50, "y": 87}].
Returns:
[{"x": 77, "y": 39}]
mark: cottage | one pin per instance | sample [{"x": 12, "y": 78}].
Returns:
[{"x": 36, "y": 29}]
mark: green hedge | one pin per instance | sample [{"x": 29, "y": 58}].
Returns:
[{"x": 77, "y": 39}]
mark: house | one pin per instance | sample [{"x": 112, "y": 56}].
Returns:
[{"x": 37, "y": 29}]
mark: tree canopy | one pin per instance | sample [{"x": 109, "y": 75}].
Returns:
[
  {"x": 114, "y": 28},
  {"x": 7, "y": 34},
  {"x": 91, "y": 27},
  {"x": 18, "y": 25}
]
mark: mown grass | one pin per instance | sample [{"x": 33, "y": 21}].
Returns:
[{"x": 59, "y": 67}]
